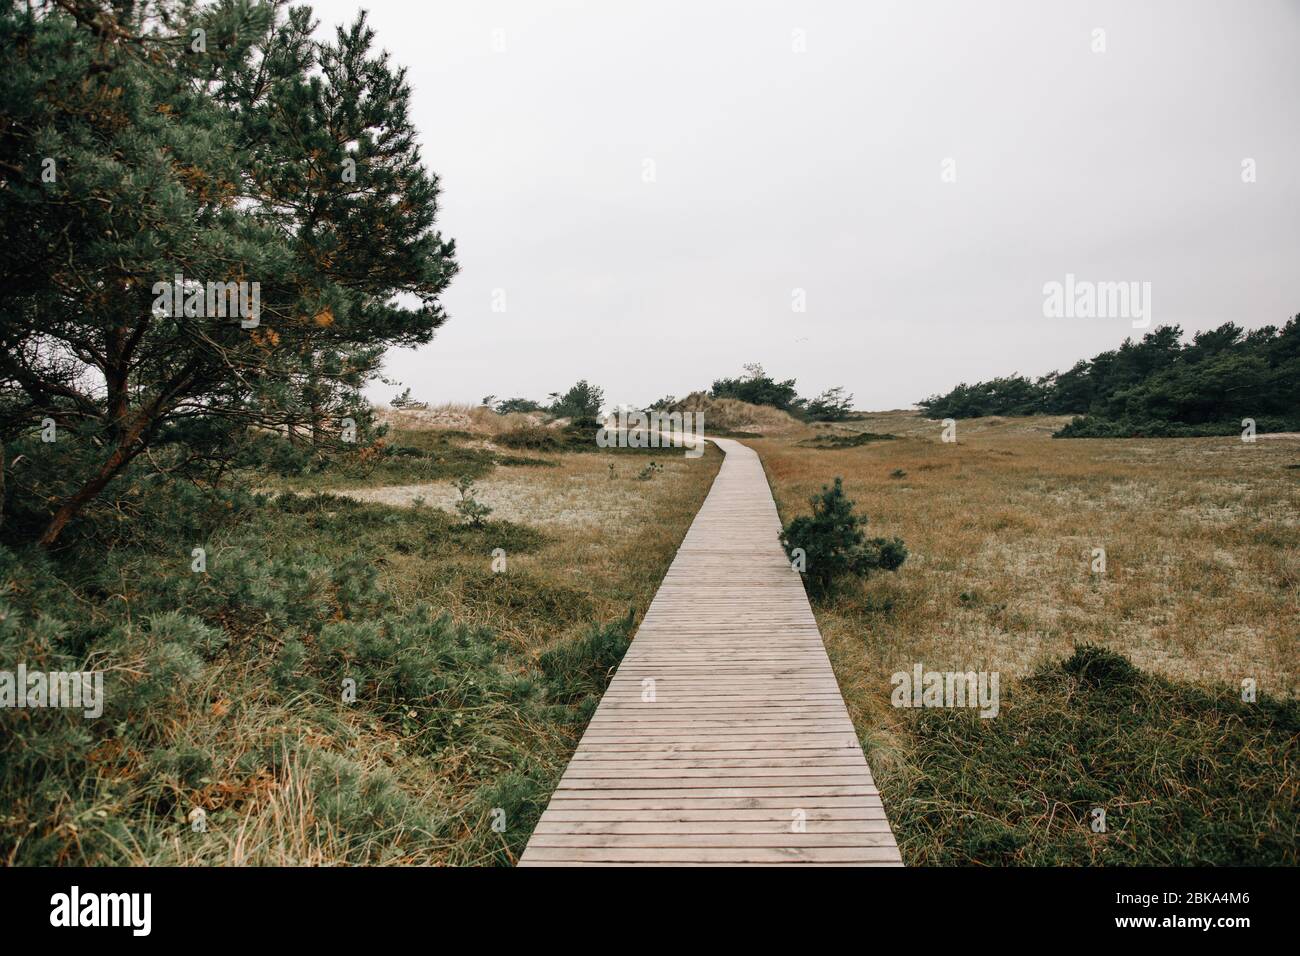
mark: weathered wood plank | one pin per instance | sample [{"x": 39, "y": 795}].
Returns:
[
  {"x": 777, "y": 853},
  {"x": 723, "y": 739},
  {"x": 787, "y": 804},
  {"x": 764, "y": 827},
  {"x": 716, "y": 838}
]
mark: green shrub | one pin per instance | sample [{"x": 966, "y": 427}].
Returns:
[
  {"x": 845, "y": 441},
  {"x": 834, "y": 545},
  {"x": 1158, "y": 387},
  {"x": 531, "y": 437},
  {"x": 291, "y": 603},
  {"x": 471, "y": 510},
  {"x": 1187, "y": 775},
  {"x": 526, "y": 598},
  {"x": 583, "y": 666},
  {"x": 365, "y": 810},
  {"x": 405, "y": 401},
  {"x": 831, "y": 405},
  {"x": 582, "y": 401},
  {"x": 520, "y": 797},
  {"x": 278, "y": 455},
  {"x": 758, "y": 388},
  {"x": 1090, "y": 426},
  {"x": 408, "y": 457},
  {"x": 509, "y": 405},
  {"x": 520, "y": 461},
  {"x": 239, "y": 698}
]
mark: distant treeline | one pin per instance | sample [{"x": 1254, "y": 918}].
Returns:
[
  {"x": 758, "y": 388},
  {"x": 1160, "y": 386},
  {"x": 585, "y": 401}
]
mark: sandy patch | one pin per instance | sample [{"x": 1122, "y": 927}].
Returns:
[{"x": 530, "y": 496}]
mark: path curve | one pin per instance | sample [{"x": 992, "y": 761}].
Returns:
[{"x": 740, "y": 751}]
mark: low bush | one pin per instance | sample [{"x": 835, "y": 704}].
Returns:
[
  {"x": 533, "y": 438},
  {"x": 855, "y": 440},
  {"x": 1089, "y": 426},
  {"x": 239, "y": 706},
  {"x": 400, "y": 457},
  {"x": 834, "y": 545},
  {"x": 1186, "y": 775},
  {"x": 582, "y": 667}
]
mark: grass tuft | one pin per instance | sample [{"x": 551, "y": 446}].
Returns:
[{"x": 1185, "y": 775}]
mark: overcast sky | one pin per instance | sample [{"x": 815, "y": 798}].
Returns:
[{"x": 822, "y": 170}]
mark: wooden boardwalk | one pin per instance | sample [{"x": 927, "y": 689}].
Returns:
[{"x": 723, "y": 738}]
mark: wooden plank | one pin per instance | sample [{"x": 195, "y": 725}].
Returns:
[
  {"x": 787, "y": 803},
  {"x": 772, "y": 810},
  {"x": 764, "y": 828},
  {"x": 679, "y": 838},
  {"x": 776, "y": 853},
  {"x": 744, "y": 755},
  {"x": 764, "y": 816},
  {"x": 732, "y": 775},
  {"x": 607, "y": 766},
  {"x": 792, "y": 791},
  {"x": 651, "y": 756},
  {"x": 721, "y": 745}
]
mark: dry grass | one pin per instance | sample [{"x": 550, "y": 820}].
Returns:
[
  {"x": 577, "y": 490},
  {"x": 730, "y": 414},
  {"x": 476, "y": 419},
  {"x": 451, "y": 720},
  {"x": 1203, "y": 551},
  {"x": 606, "y": 545},
  {"x": 608, "y": 541},
  {"x": 1202, "y": 541}
]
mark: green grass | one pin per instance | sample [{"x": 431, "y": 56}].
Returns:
[
  {"x": 402, "y": 457},
  {"x": 226, "y": 689},
  {"x": 844, "y": 441},
  {"x": 246, "y": 680},
  {"x": 568, "y": 438},
  {"x": 1186, "y": 775}
]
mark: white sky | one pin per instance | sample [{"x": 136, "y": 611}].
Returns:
[{"x": 820, "y": 170}]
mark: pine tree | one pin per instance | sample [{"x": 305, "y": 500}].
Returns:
[
  {"x": 834, "y": 544},
  {"x": 221, "y": 143}
]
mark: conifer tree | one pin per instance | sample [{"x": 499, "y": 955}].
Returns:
[{"x": 148, "y": 139}]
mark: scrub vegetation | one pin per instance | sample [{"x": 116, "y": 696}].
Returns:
[{"x": 1120, "y": 690}]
